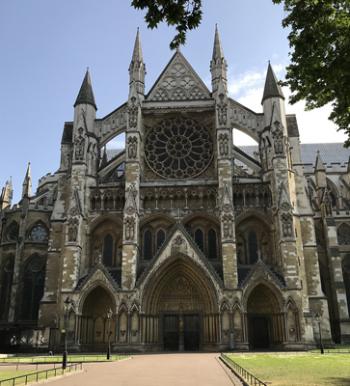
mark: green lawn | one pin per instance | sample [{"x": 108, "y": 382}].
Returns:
[
  {"x": 307, "y": 369},
  {"x": 32, "y": 375}
]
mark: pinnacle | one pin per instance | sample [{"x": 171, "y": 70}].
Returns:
[
  {"x": 137, "y": 53},
  {"x": 319, "y": 163},
  {"x": 86, "y": 94},
  {"x": 272, "y": 88},
  {"x": 218, "y": 52}
]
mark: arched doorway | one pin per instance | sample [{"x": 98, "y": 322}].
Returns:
[
  {"x": 95, "y": 325},
  {"x": 265, "y": 319},
  {"x": 181, "y": 308}
]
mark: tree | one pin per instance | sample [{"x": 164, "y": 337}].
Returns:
[
  {"x": 319, "y": 72},
  {"x": 183, "y": 14}
]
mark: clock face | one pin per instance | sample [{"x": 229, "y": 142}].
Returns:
[
  {"x": 38, "y": 233},
  {"x": 178, "y": 148}
]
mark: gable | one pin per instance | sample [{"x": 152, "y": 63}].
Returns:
[{"x": 178, "y": 82}]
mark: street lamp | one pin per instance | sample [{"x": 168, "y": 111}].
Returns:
[
  {"x": 109, "y": 315},
  {"x": 318, "y": 320},
  {"x": 67, "y": 303}
]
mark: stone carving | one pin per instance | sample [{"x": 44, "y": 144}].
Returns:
[
  {"x": 133, "y": 112},
  {"x": 227, "y": 226},
  {"x": 178, "y": 148},
  {"x": 79, "y": 145},
  {"x": 129, "y": 224},
  {"x": 130, "y": 202},
  {"x": 287, "y": 225},
  {"x": 224, "y": 144},
  {"x": 178, "y": 245},
  {"x": 278, "y": 138},
  {"x": 178, "y": 83},
  {"x": 132, "y": 147},
  {"x": 221, "y": 109},
  {"x": 73, "y": 224}
]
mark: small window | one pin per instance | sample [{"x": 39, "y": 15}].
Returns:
[
  {"x": 212, "y": 244},
  {"x": 199, "y": 239},
  {"x": 147, "y": 245},
  {"x": 160, "y": 238},
  {"x": 108, "y": 251},
  {"x": 38, "y": 233}
]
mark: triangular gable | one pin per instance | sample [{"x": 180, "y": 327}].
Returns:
[
  {"x": 180, "y": 242},
  {"x": 261, "y": 271},
  {"x": 178, "y": 82},
  {"x": 98, "y": 274}
]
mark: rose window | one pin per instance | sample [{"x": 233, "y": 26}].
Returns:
[{"x": 178, "y": 148}]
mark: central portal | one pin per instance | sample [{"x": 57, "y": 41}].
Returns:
[{"x": 181, "y": 332}]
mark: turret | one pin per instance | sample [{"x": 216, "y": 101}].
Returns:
[
  {"x": 137, "y": 68},
  {"x": 273, "y": 101},
  {"x": 84, "y": 118},
  {"x": 6, "y": 195},
  {"x": 218, "y": 66},
  {"x": 27, "y": 183}
]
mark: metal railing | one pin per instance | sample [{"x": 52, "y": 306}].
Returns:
[
  {"x": 40, "y": 359},
  {"x": 39, "y": 375},
  {"x": 245, "y": 376}
]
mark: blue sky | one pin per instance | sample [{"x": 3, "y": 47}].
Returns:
[{"x": 45, "y": 47}]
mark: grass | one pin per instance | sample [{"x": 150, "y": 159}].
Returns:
[
  {"x": 302, "y": 369},
  {"x": 58, "y": 358},
  {"x": 32, "y": 376}
]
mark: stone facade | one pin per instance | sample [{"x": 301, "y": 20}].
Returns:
[{"x": 189, "y": 241}]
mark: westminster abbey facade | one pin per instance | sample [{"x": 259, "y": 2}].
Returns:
[{"x": 182, "y": 241}]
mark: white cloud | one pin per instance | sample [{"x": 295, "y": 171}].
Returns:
[{"x": 314, "y": 126}]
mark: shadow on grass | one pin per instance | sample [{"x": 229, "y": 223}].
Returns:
[{"x": 339, "y": 381}]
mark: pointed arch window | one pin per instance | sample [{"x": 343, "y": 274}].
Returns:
[
  {"x": 108, "y": 246},
  {"x": 252, "y": 247},
  {"x": 12, "y": 232},
  {"x": 33, "y": 287},
  {"x": 5, "y": 289},
  {"x": 160, "y": 238},
  {"x": 147, "y": 245},
  {"x": 212, "y": 244},
  {"x": 199, "y": 238}
]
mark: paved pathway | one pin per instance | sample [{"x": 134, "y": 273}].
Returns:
[{"x": 153, "y": 370}]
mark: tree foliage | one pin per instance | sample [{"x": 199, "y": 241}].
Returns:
[
  {"x": 183, "y": 14},
  {"x": 319, "y": 71}
]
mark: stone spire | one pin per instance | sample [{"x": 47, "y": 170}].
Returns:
[
  {"x": 137, "y": 68},
  {"x": 218, "y": 65},
  {"x": 6, "y": 195},
  {"x": 86, "y": 94},
  {"x": 27, "y": 183},
  {"x": 272, "y": 88},
  {"x": 320, "y": 172}
]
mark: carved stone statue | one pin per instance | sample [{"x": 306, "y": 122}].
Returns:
[
  {"x": 79, "y": 145},
  {"x": 73, "y": 229},
  {"x": 287, "y": 225},
  {"x": 222, "y": 110},
  {"x": 227, "y": 222},
  {"x": 133, "y": 110},
  {"x": 223, "y": 144},
  {"x": 129, "y": 228},
  {"x": 132, "y": 147}
]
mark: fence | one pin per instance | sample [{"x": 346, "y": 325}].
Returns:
[
  {"x": 245, "y": 376},
  {"x": 57, "y": 358},
  {"x": 40, "y": 375}
]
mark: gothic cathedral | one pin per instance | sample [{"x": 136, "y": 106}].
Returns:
[{"x": 182, "y": 241}]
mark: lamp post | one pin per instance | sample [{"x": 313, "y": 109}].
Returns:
[
  {"x": 67, "y": 303},
  {"x": 318, "y": 319},
  {"x": 109, "y": 315}
]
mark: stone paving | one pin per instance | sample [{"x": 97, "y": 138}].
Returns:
[{"x": 153, "y": 370}]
